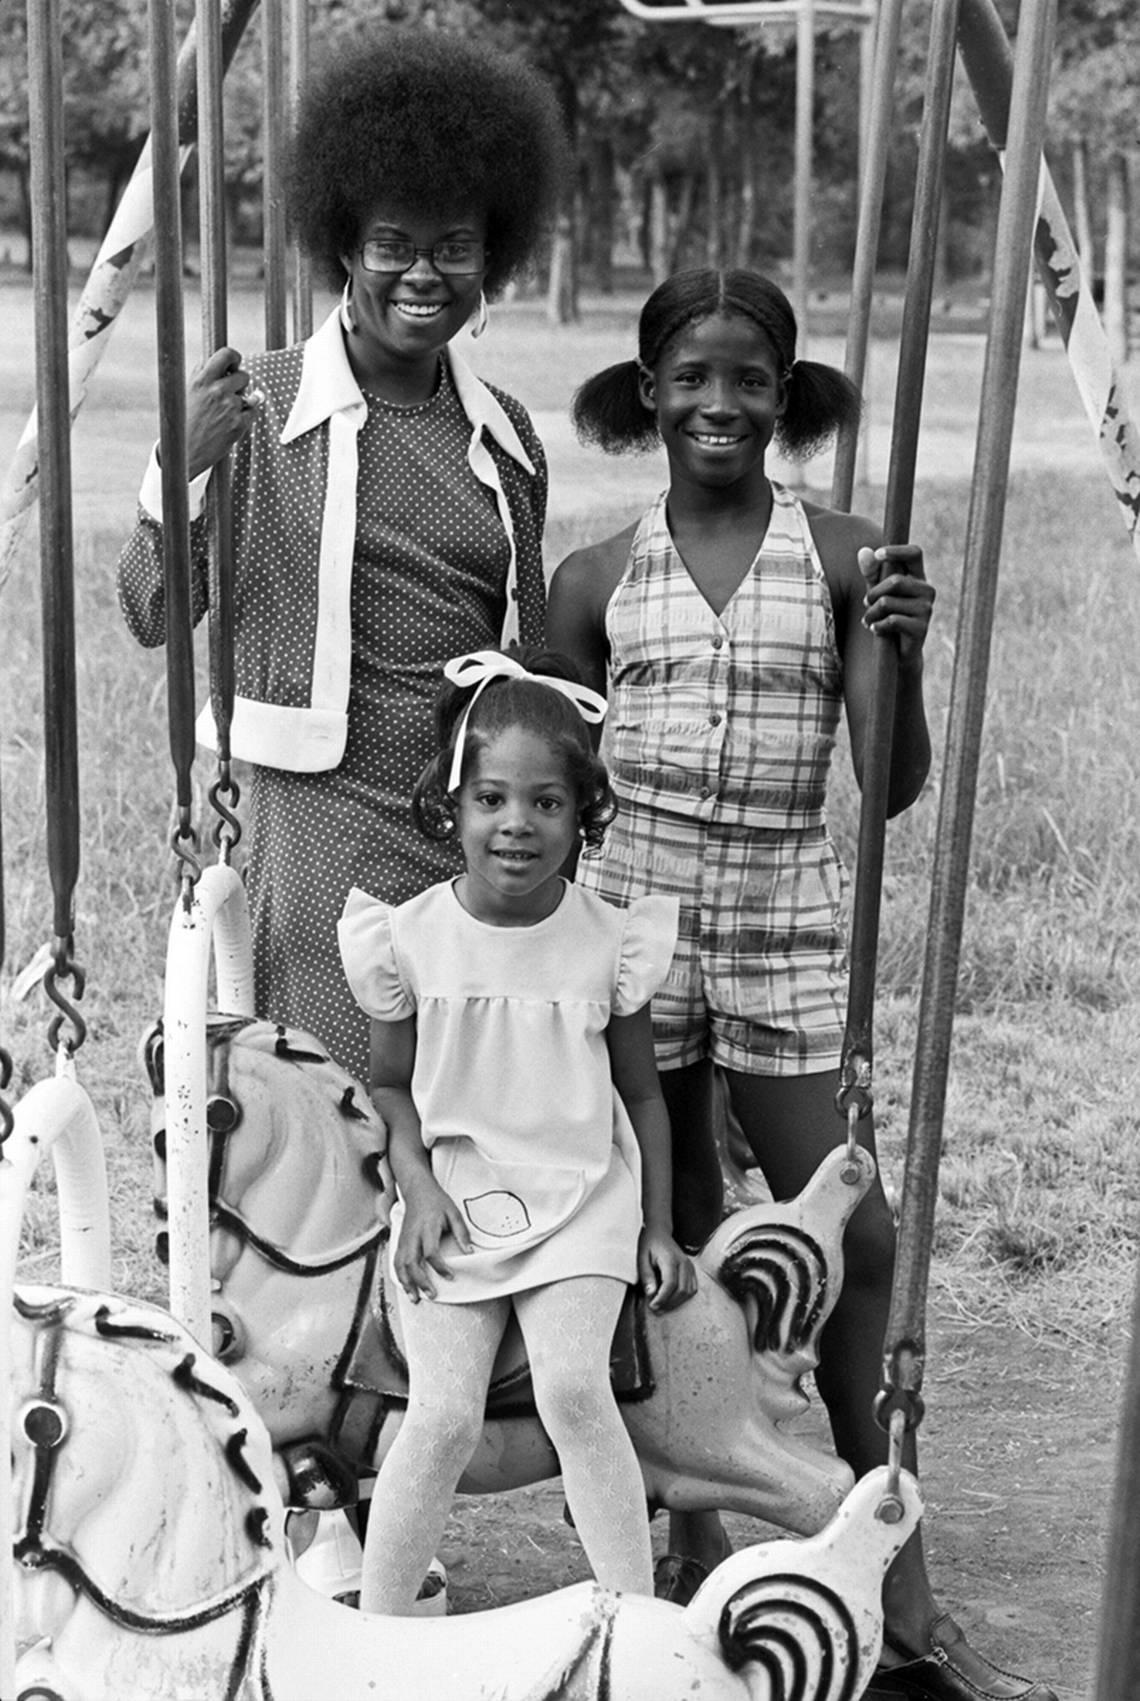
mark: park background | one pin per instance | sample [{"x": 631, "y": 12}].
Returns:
[{"x": 1037, "y": 1231}]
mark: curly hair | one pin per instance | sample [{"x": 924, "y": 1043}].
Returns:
[
  {"x": 608, "y": 410},
  {"x": 513, "y": 702},
  {"x": 431, "y": 121}
]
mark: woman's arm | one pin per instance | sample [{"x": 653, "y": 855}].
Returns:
[
  {"x": 666, "y": 1273},
  {"x": 429, "y": 1214},
  {"x": 219, "y": 415}
]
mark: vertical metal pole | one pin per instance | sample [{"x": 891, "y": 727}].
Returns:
[
  {"x": 49, "y": 251},
  {"x": 61, "y": 765},
  {"x": 113, "y": 273},
  {"x": 805, "y": 102},
  {"x": 273, "y": 120},
  {"x": 171, "y": 338},
  {"x": 215, "y": 335},
  {"x": 1118, "y": 1653},
  {"x": 906, "y": 1324},
  {"x": 858, "y": 1039},
  {"x": 298, "y": 77},
  {"x": 187, "y": 1205},
  {"x": 872, "y": 182}
]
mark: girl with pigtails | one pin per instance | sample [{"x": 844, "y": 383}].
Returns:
[{"x": 730, "y": 626}]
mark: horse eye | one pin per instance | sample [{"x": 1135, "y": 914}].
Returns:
[{"x": 222, "y": 1114}]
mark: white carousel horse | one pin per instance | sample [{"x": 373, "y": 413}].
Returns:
[
  {"x": 298, "y": 1188},
  {"x": 151, "y": 1563}
]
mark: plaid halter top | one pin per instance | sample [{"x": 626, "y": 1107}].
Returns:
[{"x": 728, "y": 718}]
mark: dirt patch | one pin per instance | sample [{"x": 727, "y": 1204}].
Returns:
[{"x": 1018, "y": 1458}]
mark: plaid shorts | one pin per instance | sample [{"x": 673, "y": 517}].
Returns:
[{"x": 758, "y": 981}]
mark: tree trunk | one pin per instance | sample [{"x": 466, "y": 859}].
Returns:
[
  {"x": 1116, "y": 257},
  {"x": 746, "y": 150},
  {"x": 658, "y": 229},
  {"x": 746, "y": 225},
  {"x": 600, "y": 213},
  {"x": 1082, "y": 219},
  {"x": 683, "y": 223},
  {"x": 562, "y": 292},
  {"x": 23, "y": 182},
  {"x": 714, "y": 198}
]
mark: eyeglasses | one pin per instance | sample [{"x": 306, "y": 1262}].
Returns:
[{"x": 456, "y": 256}]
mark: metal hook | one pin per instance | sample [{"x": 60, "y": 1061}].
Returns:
[
  {"x": 63, "y": 967},
  {"x": 227, "y": 833},
  {"x": 7, "y": 1120}
]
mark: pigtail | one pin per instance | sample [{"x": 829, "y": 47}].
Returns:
[
  {"x": 607, "y": 411},
  {"x": 433, "y": 813},
  {"x": 821, "y": 401}
]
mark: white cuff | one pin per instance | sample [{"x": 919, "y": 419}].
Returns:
[{"x": 150, "y": 491}]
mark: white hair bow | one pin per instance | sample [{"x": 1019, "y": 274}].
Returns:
[{"x": 481, "y": 667}]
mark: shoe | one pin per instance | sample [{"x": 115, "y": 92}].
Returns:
[
  {"x": 677, "y": 1577},
  {"x": 951, "y": 1671}
]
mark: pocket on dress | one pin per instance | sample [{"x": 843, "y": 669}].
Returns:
[{"x": 511, "y": 1206}]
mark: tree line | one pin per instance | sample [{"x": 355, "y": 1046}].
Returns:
[{"x": 682, "y": 134}]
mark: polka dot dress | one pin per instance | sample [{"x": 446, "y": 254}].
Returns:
[{"x": 429, "y": 581}]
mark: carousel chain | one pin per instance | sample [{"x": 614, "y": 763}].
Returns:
[
  {"x": 7, "y": 1121},
  {"x": 184, "y": 844},
  {"x": 225, "y": 796},
  {"x": 64, "y": 967}
]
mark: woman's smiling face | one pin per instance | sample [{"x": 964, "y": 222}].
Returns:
[{"x": 404, "y": 317}]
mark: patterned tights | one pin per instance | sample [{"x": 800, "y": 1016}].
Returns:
[{"x": 568, "y": 1327}]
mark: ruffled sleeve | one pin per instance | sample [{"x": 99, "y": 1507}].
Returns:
[
  {"x": 368, "y": 952},
  {"x": 646, "y": 951}
]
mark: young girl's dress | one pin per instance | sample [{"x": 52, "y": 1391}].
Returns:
[
  {"x": 718, "y": 742},
  {"x": 512, "y": 1077}
]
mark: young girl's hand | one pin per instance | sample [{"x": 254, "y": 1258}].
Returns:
[
  {"x": 900, "y": 601},
  {"x": 429, "y": 1217},
  {"x": 667, "y": 1275}
]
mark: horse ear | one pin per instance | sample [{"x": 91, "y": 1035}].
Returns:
[{"x": 151, "y": 1052}]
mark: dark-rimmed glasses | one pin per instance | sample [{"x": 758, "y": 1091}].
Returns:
[{"x": 455, "y": 256}]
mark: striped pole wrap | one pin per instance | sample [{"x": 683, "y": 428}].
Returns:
[
  {"x": 987, "y": 59},
  {"x": 114, "y": 270}
]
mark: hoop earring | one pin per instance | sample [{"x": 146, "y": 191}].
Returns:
[
  {"x": 346, "y": 318},
  {"x": 481, "y": 316}
]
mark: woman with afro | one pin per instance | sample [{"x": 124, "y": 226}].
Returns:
[{"x": 388, "y": 505}]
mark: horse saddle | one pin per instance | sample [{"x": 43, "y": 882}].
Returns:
[{"x": 374, "y": 1363}]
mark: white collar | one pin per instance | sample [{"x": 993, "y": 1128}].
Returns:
[{"x": 328, "y": 386}]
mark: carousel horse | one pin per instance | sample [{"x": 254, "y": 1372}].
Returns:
[
  {"x": 302, "y": 1315},
  {"x": 151, "y": 1562}
]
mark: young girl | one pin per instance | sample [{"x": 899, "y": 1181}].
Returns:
[
  {"x": 512, "y": 1060},
  {"x": 732, "y": 624}
]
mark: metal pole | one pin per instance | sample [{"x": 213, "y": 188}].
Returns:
[
  {"x": 1119, "y": 1647},
  {"x": 858, "y": 1048},
  {"x": 905, "y": 1345},
  {"x": 215, "y": 335},
  {"x": 873, "y": 180},
  {"x": 121, "y": 254},
  {"x": 172, "y": 404},
  {"x": 299, "y": 76},
  {"x": 49, "y": 251},
  {"x": 805, "y": 102},
  {"x": 189, "y": 1265},
  {"x": 273, "y": 120}
]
